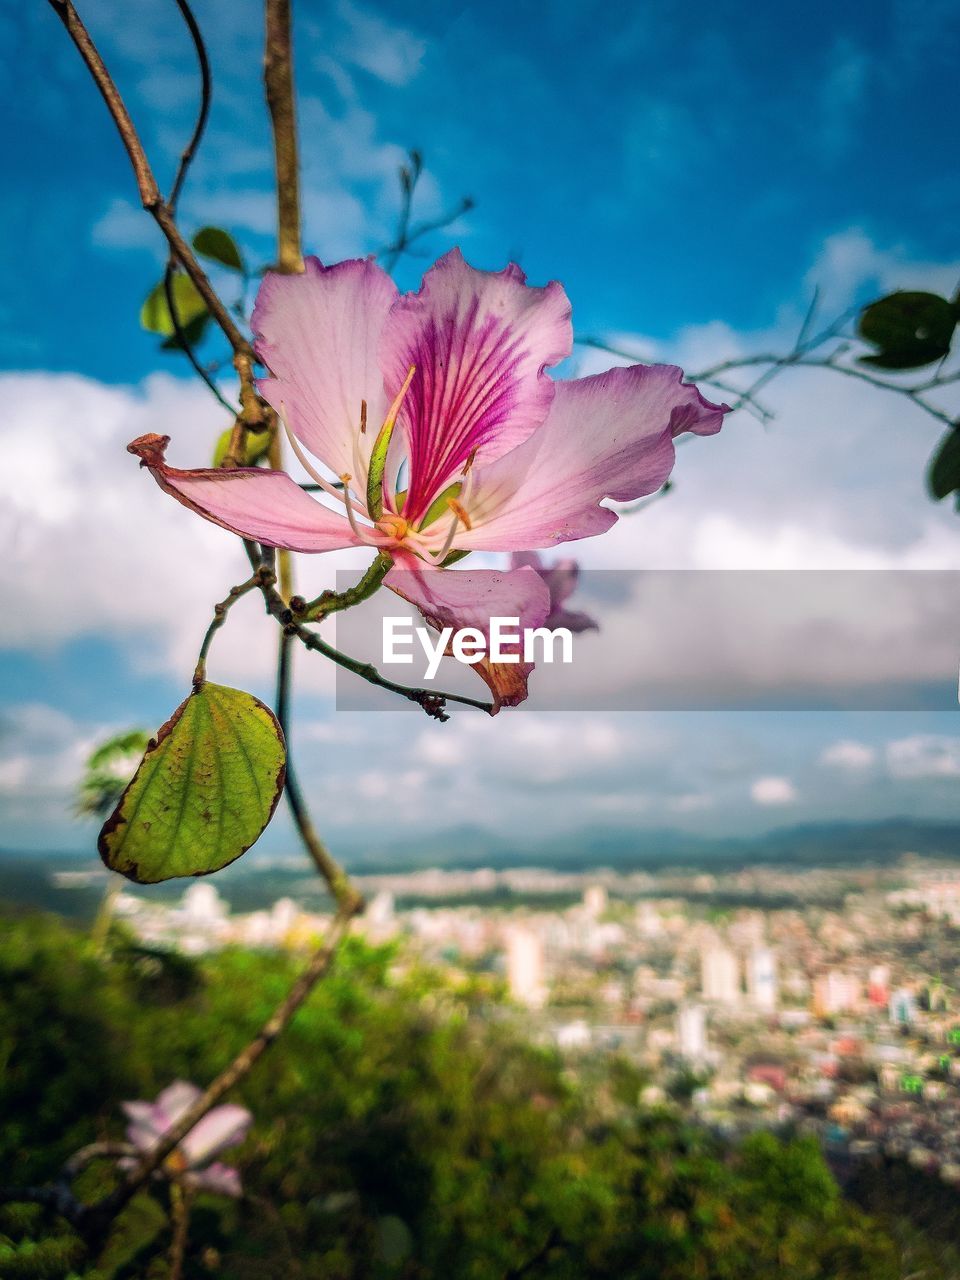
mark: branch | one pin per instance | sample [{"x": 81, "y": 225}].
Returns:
[
  {"x": 220, "y": 612},
  {"x": 278, "y": 80},
  {"x": 180, "y": 1216},
  {"x": 150, "y": 196},
  {"x": 432, "y": 701},
  {"x": 347, "y": 897}
]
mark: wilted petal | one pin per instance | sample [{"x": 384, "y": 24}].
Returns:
[
  {"x": 470, "y": 598},
  {"x": 561, "y": 578},
  {"x": 266, "y": 506},
  {"x": 219, "y": 1129},
  {"x": 607, "y": 436},
  {"x": 480, "y": 342},
  {"x": 319, "y": 334},
  {"x": 220, "y": 1179}
]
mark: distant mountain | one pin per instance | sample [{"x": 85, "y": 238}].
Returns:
[{"x": 809, "y": 844}]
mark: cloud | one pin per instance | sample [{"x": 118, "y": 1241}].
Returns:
[
  {"x": 924, "y": 756},
  {"x": 773, "y": 791},
  {"x": 848, "y": 756},
  {"x": 386, "y": 50}
]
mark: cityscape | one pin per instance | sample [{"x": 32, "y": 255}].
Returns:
[{"x": 814, "y": 1000}]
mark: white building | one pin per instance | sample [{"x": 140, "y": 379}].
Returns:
[
  {"x": 762, "y": 978},
  {"x": 720, "y": 975},
  {"x": 692, "y": 1032},
  {"x": 525, "y": 976}
]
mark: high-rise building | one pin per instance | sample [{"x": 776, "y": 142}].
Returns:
[
  {"x": 720, "y": 972},
  {"x": 525, "y": 975},
  {"x": 902, "y": 1009},
  {"x": 692, "y": 1032},
  {"x": 762, "y": 978}
]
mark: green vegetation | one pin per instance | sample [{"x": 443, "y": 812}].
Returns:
[{"x": 402, "y": 1129}]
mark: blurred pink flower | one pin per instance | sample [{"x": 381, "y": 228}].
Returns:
[
  {"x": 193, "y": 1160},
  {"x": 561, "y": 580}
]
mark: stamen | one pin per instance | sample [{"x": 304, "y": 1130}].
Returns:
[
  {"x": 304, "y": 461},
  {"x": 362, "y": 534},
  {"x": 441, "y": 555},
  {"x": 470, "y": 460},
  {"x": 461, "y": 514},
  {"x": 363, "y": 417}
]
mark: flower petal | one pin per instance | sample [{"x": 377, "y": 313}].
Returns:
[
  {"x": 607, "y": 436},
  {"x": 175, "y": 1100},
  {"x": 480, "y": 342},
  {"x": 460, "y": 598},
  {"x": 318, "y": 333},
  {"x": 220, "y": 1179},
  {"x": 255, "y": 503},
  {"x": 219, "y": 1129}
]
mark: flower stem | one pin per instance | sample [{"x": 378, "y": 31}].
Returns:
[{"x": 333, "y": 601}]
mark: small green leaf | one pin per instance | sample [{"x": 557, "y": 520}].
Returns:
[
  {"x": 256, "y": 444},
  {"x": 220, "y": 246},
  {"x": 205, "y": 790},
  {"x": 192, "y": 332},
  {"x": 910, "y": 330},
  {"x": 155, "y": 314},
  {"x": 944, "y": 474}
]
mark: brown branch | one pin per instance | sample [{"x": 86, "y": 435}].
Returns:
[
  {"x": 180, "y": 1216},
  {"x": 278, "y": 80},
  {"x": 150, "y": 196},
  {"x": 206, "y": 93}
]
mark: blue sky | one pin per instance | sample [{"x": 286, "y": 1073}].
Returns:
[{"x": 688, "y": 172}]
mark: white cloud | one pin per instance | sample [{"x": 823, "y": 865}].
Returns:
[
  {"x": 924, "y": 756},
  {"x": 848, "y": 756},
  {"x": 773, "y": 791}
]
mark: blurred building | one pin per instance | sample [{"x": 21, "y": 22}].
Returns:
[
  {"x": 762, "y": 978},
  {"x": 720, "y": 975},
  {"x": 692, "y": 1032},
  {"x": 525, "y": 972}
]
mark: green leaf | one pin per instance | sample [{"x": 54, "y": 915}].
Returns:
[
  {"x": 220, "y": 246},
  {"x": 192, "y": 332},
  {"x": 256, "y": 444},
  {"x": 944, "y": 474},
  {"x": 910, "y": 330},
  {"x": 155, "y": 314},
  {"x": 205, "y": 790}
]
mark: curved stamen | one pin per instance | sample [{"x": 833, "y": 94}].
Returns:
[
  {"x": 364, "y": 535},
  {"x": 311, "y": 471}
]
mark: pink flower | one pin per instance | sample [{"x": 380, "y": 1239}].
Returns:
[
  {"x": 194, "y": 1159},
  {"x": 561, "y": 581},
  {"x": 435, "y": 412}
]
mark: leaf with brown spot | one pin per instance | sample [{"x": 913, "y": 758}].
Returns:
[{"x": 204, "y": 792}]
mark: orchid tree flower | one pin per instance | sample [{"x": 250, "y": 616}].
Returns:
[
  {"x": 561, "y": 579},
  {"x": 193, "y": 1161},
  {"x": 434, "y": 412}
]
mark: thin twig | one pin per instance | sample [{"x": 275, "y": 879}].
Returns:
[
  {"x": 432, "y": 701},
  {"x": 206, "y": 93},
  {"x": 220, "y": 612},
  {"x": 180, "y": 1216},
  {"x": 184, "y": 341},
  {"x": 337, "y": 879}
]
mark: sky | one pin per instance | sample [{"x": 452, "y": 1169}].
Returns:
[{"x": 691, "y": 174}]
